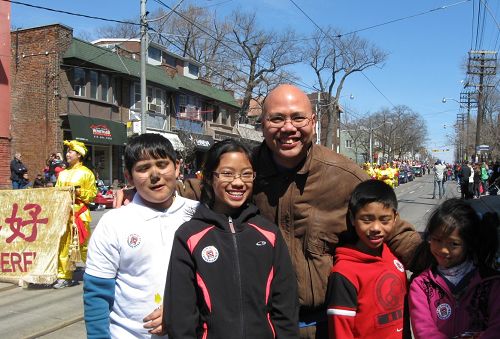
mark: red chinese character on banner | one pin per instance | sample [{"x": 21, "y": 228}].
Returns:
[{"x": 17, "y": 223}]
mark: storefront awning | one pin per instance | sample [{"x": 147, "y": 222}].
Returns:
[
  {"x": 97, "y": 131},
  {"x": 172, "y": 137}
]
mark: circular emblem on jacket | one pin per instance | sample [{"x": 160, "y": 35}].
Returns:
[
  {"x": 443, "y": 311},
  {"x": 134, "y": 240},
  {"x": 210, "y": 254},
  {"x": 399, "y": 265}
]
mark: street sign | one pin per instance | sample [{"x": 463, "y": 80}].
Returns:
[{"x": 482, "y": 148}]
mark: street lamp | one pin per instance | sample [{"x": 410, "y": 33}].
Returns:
[{"x": 446, "y": 99}]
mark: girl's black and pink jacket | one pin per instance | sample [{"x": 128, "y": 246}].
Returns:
[{"x": 230, "y": 278}]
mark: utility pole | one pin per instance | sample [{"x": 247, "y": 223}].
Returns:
[
  {"x": 468, "y": 99},
  {"x": 144, "y": 56},
  {"x": 481, "y": 63}
]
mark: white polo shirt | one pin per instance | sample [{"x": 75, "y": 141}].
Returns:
[{"x": 132, "y": 244}]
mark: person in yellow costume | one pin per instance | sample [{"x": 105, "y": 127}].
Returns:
[
  {"x": 386, "y": 175},
  {"x": 369, "y": 170},
  {"x": 79, "y": 176},
  {"x": 395, "y": 173}
]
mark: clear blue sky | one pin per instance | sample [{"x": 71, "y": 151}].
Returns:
[{"x": 426, "y": 53}]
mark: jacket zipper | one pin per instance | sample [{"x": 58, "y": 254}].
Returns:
[{"x": 238, "y": 275}]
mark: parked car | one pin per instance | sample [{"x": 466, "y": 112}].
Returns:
[
  {"x": 417, "y": 170},
  {"x": 403, "y": 176},
  {"x": 410, "y": 175}
]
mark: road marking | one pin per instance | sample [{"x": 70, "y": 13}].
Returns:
[{"x": 411, "y": 192}]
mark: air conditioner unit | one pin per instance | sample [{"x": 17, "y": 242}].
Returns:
[{"x": 154, "y": 108}]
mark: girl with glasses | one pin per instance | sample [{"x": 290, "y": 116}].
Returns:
[
  {"x": 458, "y": 296},
  {"x": 230, "y": 274}
]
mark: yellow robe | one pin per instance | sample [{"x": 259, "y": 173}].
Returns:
[
  {"x": 390, "y": 176},
  {"x": 77, "y": 175}
]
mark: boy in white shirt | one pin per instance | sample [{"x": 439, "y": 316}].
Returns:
[{"x": 129, "y": 251}]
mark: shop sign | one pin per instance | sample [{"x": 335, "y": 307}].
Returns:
[{"x": 101, "y": 132}]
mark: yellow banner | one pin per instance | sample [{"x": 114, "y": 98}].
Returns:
[{"x": 31, "y": 223}]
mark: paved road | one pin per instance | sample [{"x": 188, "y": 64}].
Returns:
[{"x": 57, "y": 314}]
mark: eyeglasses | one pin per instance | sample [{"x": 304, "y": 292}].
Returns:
[
  {"x": 279, "y": 121},
  {"x": 230, "y": 176}
]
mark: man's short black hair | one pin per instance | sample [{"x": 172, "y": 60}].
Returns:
[{"x": 148, "y": 146}]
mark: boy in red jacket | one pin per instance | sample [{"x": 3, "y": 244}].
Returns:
[{"x": 367, "y": 284}]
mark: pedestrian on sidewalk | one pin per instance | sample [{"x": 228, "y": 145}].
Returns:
[
  {"x": 477, "y": 182},
  {"x": 465, "y": 173},
  {"x": 17, "y": 169},
  {"x": 439, "y": 170},
  {"x": 484, "y": 177}
]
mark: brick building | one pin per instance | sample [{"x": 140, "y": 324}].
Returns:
[
  {"x": 66, "y": 88},
  {"x": 5, "y": 149}
]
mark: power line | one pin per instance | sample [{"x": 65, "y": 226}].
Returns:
[
  {"x": 205, "y": 30},
  {"x": 334, "y": 43},
  {"x": 403, "y": 18},
  {"x": 72, "y": 13}
]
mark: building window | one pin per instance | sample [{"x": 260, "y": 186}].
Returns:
[
  {"x": 190, "y": 107},
  {"x": 225, "y": 116},
  {"x": 155, "y": 99},
  {"x": 348, "y": 143},
  {"x": 169, "y": 59},
  {"x": 193, "y": 69},
  {"x": 104, "y": 87},
  {"x": 154, "y": 53},
  {"x": 94, "y": 83},
  {"x": 79, "y": 82}
]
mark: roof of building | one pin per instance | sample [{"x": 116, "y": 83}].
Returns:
[
  {"x": 205, "y": 90},
  {"x": 104, "y": 57}
]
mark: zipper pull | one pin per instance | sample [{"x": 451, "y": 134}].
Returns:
[{"x": 231, "y": 225}]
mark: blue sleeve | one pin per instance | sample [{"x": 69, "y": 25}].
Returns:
[{"x": 98, "y": 298}]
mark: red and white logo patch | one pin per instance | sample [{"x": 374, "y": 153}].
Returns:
[
  {"x": 134, "y": 240},
  {"x": 210, "y": 254},
  {"x": 443, "y": 311},
  {"x": 399, "y": 265}
]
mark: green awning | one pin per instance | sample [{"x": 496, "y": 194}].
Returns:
[{"x": 97, "y": 131}]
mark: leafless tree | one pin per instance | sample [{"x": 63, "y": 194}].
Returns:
[
  {"x": 259, "y": 57},
  {"x": 389, "y": 132},
  {"x": 333, "y": 60}
]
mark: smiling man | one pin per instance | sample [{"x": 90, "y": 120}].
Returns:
[{"x": 304, "y": 188}]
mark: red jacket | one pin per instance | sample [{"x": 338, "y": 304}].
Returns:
[{"x": 365, "y": 297}]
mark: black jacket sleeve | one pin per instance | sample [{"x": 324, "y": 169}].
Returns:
[
  {"x": 284, "y": 299},
  {"x": 180, "y": 311}
]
